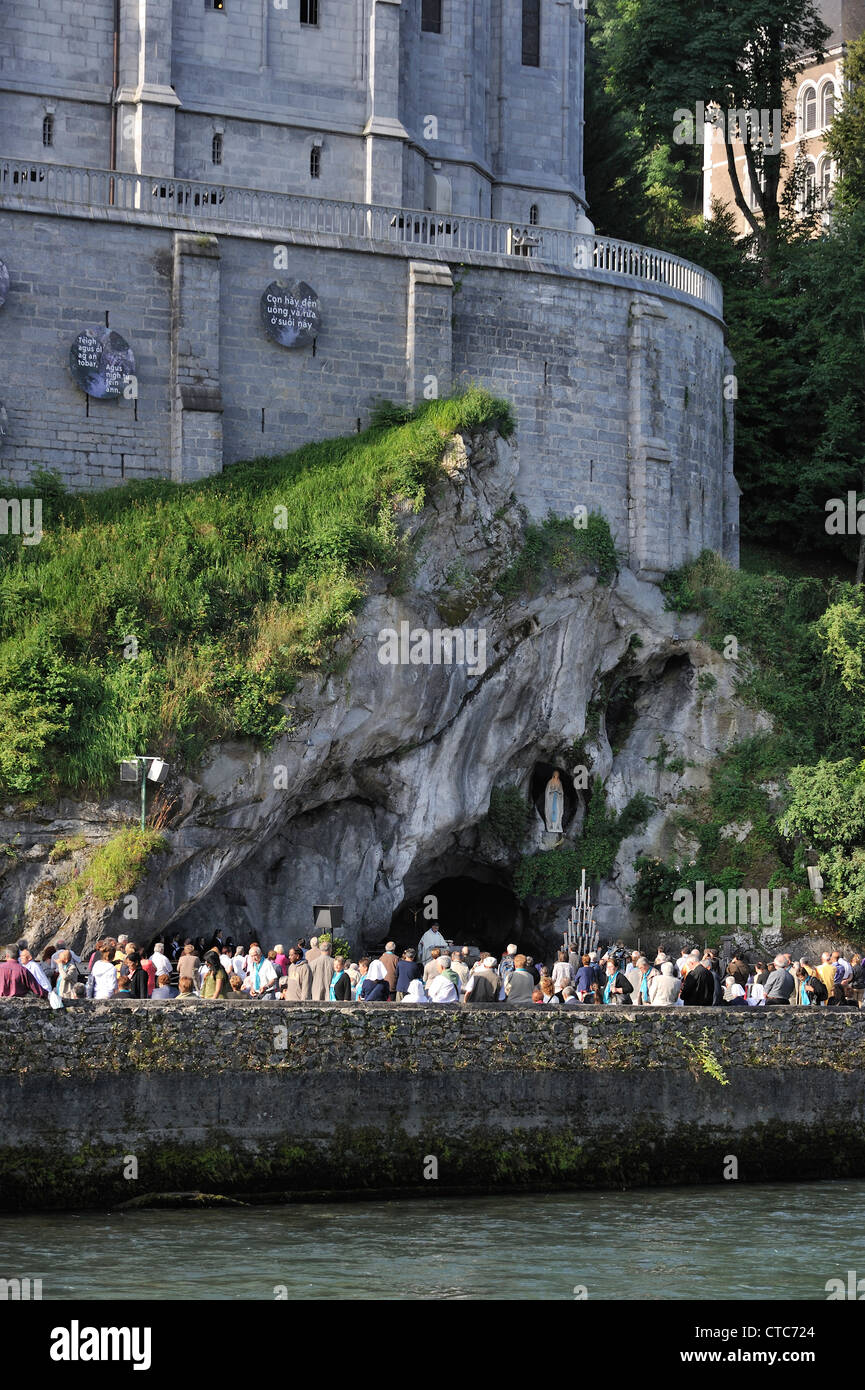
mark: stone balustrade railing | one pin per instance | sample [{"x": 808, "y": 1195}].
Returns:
[{"x": 209, "y": 205}]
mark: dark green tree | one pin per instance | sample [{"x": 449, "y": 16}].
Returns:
[
  {"x": 737, "y": 57},
  {"x": 846, "y": 137}
]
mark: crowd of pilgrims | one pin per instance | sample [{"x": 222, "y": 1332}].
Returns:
[{"x": 437, "y": 972}]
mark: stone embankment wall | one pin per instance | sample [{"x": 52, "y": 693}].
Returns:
[{"x": 117, "y": 1101}]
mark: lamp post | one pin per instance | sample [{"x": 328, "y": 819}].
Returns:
[{"x": 149, "y": 769}]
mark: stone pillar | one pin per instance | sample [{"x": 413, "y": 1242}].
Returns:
[
  {"x": 650, "y": 458},
  {"x": 429, "y": 338},
  {"x": 196, "y": 399},
  {"x": 146, "y": 101},
  {"x": 385, "y": 134}
]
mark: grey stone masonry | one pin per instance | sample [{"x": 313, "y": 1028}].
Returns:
[
  {"x": 427, "y": 185},
  {"x": 429, "y": 341},
  {"x": 402, "y": 115},
  {"x": 196, "y": 420},
  {"x": 249, "y": 1097},
  {"x": 145, "y": 100},
  {"x": 649, "y": 454},
  {"x": 618, "y": 394}
]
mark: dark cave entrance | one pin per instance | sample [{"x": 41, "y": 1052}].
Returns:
[{"x": 471, "y": 912}]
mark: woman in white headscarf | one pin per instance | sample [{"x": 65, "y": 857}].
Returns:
[
  {"x": 415, "y": 994},
  {"x": 372, "y": 990}
]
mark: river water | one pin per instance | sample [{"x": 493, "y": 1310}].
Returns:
[{"x": 772, "y": 1241}]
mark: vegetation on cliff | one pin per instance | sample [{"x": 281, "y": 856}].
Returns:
[
  {"x": 560, "y": 548},
  {"x": 112, "y": 869},
  {"x": 801, "y": 657},
  {"x": 159, "y": 617},
  {"x": 556, "y": 873}
]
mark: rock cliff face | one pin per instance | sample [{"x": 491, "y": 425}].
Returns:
[{"x": 380, "y": 794}]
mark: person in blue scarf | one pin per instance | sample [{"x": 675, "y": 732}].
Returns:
[
  {"x": 617, "y": 986},
  {"x": 804, "y": 988},
  {"x": 340, "y": 984}
]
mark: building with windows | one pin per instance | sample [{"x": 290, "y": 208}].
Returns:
[
  {"x": 810, "y": 108},
  {"x": 414, "y": 170},
  {"x": 463, "y": 106}
]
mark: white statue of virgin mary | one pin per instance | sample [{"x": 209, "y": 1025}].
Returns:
[{"x": 554, "y": 804}]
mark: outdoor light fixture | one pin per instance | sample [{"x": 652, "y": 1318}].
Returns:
[
  {"x": 327, "y": 917},
  {"x": 146, "y": 768}
]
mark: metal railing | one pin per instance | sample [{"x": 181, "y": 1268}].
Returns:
[{"x": 206, "y": 205}]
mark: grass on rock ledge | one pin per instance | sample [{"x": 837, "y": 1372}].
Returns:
[
  {"x": 227, "y": 589},
  {"x": 113, "y": 869}
]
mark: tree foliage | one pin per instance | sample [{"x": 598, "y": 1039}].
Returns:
[
  {"x": 845, "y": 140},
  {"x": 735, "y": 55}
]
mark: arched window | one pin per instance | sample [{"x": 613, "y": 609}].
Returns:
[
  {"x": 533, "y": 215},
  {"x": 809, "y": 186},
  {"x": 809, "y": 110},
  {"x": 315, "y": 162},
  {"x": 825, "y": 180},
  {"x": 827, "y": 104},
  {"x": 48, "y": 129},
  {"x": 216, "y": 148}
]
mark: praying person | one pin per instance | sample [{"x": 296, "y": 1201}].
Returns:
[
  {"x": 416, "y": 994},
  {"x": 261, "y": 981},
  {"x": 102, "y": 983},
  {"x": 215, "y": 982},
  {"x": 665, "y": 988},
  {"x": 519, "y": 981},
  {"x": 617, "y": 987},
  {"x": 484, "y": 984},
  {"x": 407, "y": 970}
]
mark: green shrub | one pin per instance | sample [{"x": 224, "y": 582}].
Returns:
[
  {"x": 558, "y": 547},
  {"x": 509, "y": 815},
  {"x": 801, "y": 658}
]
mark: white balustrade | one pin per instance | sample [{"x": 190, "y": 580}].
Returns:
[{"x": 66, "y": 187}]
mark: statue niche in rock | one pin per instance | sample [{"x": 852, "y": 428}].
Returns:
[{"x": 554, "y": 804}]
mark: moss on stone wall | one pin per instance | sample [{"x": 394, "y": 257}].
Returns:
[
  {"x": 232, "y": 1098},
  {"x": 357, "y": 1162}
]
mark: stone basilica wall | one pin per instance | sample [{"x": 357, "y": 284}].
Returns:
[{"x": 618, "y": 391}]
